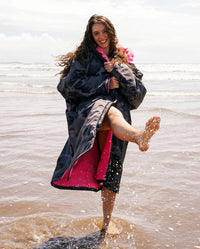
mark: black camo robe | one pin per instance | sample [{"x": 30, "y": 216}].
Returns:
[{"x": 86, "y": 92}]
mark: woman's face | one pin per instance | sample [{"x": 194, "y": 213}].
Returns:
[{"x": 101, "y": 36}]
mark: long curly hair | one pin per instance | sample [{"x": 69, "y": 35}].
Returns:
[{"x": 88, "y": 44}]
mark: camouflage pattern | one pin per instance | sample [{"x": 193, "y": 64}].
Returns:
[{"x": 88, "y": 98}]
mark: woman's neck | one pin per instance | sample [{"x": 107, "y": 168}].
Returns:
[{"x": 106, "y": 51}]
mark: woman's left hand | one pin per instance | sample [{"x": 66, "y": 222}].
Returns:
[{"x": 108, "y": 66}]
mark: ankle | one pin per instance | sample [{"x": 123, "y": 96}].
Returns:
[{"x": 137, "y": 136}]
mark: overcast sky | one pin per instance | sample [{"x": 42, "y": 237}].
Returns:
[{"x": 156, "y": 30}]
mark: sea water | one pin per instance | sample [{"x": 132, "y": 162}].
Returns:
[{"x": 159, "y": 199}]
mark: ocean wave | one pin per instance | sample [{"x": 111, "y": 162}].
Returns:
[
  {"x": 175, "y": 68},
  {"x": 151, "y": 71},
  {"x": 147, "y": 67},
  {"x": 28, "y": 75},
  {"x": 174, "y": 94},
  {"x": 147, "y": 75},
  {"x": 20, "y": 84},
  {"x": 28, "y": 92},
  {"x": 176, "y": 113},
  {"x": 27, "y": 66},
  {"x": 150, "y": 94},
  {"x": 170, "y": 71},
  {"x": 171, "y": 77},
  {"x": 40, "y": 114}
]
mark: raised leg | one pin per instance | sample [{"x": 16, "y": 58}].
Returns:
[
  {"x": 115, "y": 121},
  {"x": 124, "y": 131}
]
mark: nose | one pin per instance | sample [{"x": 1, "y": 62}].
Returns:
[{"x": 101, "y": 35}]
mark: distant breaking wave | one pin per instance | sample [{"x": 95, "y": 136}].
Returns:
[
  {"x": 32, "y": 85},
  {"x": 27, "y": 66},
  {"x": 163, "y": 110},
  {"x": 147, "y": 67},
  {"x": 167, "y": 68},
  {"x": 174, "y": 94},
  {"x": 147, "y": 75},
  {"x": 170, "y": 71},
  {"x": 28, "y": 92},
  {"x": 151, "y": 94},
  {"x": 151, "y": 71}
]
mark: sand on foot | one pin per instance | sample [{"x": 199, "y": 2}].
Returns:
[{"x": 152, "y": 125}]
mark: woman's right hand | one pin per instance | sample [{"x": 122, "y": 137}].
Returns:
[{"x": 114, "y": 83}]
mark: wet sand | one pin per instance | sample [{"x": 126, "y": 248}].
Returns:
[{"x": 158, "y": 204}]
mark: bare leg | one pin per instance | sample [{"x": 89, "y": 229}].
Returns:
[
  {"x": 115, "y": 121},
  {"x": 124, "y": 131},
  {"x": 102, "y": 135},
  {"x": 108, "y": 199},
  {"x": 108, "y": 196}
]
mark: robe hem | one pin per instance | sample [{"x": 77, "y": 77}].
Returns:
[{"x": 75, "y": 188}]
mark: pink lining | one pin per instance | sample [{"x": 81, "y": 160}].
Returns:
[
  {"x": 128, "y": 51},
  {"x": 104, "y": 55},
  {"x": 104, "y": 160},
  {"x": 100, "y": 50},
  {"x": 88, "y": 169},
  {"x": 129, "y": 54},
  {"x": 83, "y": 171}
]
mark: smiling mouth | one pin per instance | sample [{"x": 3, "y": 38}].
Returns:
[{"x": 102, "y": 42}]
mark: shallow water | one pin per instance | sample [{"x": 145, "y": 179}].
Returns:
[{"x": 158, "y": 204}]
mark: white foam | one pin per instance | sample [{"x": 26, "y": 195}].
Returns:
[{"x": 174, "y": 94}]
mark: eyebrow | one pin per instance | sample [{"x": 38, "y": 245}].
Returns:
[{"x": 97, "y": 31}]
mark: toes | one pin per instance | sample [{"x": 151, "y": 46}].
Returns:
[
  {"x": 157, "y": 119},
  {"x": 144, "y": 148},
  {"x": 158, "y": 122},
  {"x": 154, "y": 121}
]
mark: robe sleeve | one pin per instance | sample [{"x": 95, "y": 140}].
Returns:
[
  {"x": 78, "y": 84},
  {"x": 131, "y": 86}
]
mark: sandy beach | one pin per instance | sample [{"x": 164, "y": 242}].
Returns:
[{"x": 159, "y": 199}]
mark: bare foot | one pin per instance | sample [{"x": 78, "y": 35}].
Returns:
[
  {"x": 152, "y": 125},
  {"x": 113, "y": 229}
]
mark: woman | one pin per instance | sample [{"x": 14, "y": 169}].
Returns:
[{"x": 101, "y": 85}]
